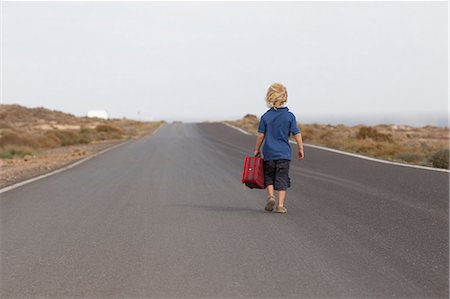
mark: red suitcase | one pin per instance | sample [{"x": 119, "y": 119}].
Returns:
[{"x": 253, "y": 173}]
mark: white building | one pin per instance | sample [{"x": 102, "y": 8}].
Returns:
[{"x": 98, "y": 114}]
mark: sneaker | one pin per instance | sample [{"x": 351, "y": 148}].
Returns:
[
  {"x": 270, "y": 204},
  {"x": 281, "y": 210}
]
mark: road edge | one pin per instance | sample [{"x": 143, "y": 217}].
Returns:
[
  {"x": 19, "y": 184},
  {"x": 351, "y": 154}
]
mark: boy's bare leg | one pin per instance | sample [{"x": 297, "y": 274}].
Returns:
[
  {"x": 281, "y": 196},
  {"x": 270, "y": 190},
  {"x": 271, "y": 200}
]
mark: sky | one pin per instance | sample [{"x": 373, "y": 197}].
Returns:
[{"x": 342, "y": 62}]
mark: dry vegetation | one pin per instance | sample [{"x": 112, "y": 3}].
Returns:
[
  {"x": 36, "y": 141},
  {"x": 26, "y": 131},
  {"x": 427, "y": 146}
]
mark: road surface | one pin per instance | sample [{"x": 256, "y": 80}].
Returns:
[{"x": 166, "y": 216}]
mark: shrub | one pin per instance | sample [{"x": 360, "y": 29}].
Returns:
[
  {"x": 10, "y": 137},
  {"x": 109, "y": 136},
  {"x": 251, "y": 117},
  {"x": 326, "y": 136},
  {"x": 309, "y": 132},
  {"x": 49, "y": 140},
  {"x": 108, "y": 129},
  {"x": 369, "y": 132},
  {"x": 9, "y": 153},
  {"x": 4, "y": 125},
  {"x": 440, "y": 159},
  {"x": 66, "y": 137},
  {"x": 86, "y": 135},
  {"x": 106, "y": 132},
  {"x": 408, "y": 157},
  {"x": 387, "y": 150}
]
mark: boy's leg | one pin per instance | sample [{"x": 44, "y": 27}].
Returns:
[
  {"x": 282, "y": 182},
  {"x": 269, "y": 173},
  {"x": 270, "y": 200},
  {"x": 281, "y": 196},
  {"x": 270, "y": 191}
]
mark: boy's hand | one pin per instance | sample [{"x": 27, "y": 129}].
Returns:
[
  {"x": 298, "y": 138},
  {"x": 259, "y": 141},
  {"x": 301, "y": 154}
]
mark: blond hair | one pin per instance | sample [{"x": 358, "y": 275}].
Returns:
[{"x": 276, "y": 95}]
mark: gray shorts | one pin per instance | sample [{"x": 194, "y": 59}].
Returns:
[{"x": 276, "y": 173}]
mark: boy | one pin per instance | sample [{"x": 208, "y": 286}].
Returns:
[{"x": 274, "y": 128}]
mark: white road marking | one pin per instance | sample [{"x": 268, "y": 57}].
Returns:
[
  {"x": 8, "y": 188},
  {"x": 236, "y": 128},
  {"x": 352, "y": 155}
]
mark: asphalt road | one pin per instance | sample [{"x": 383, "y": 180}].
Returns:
[{"x": 166, "y": 216}]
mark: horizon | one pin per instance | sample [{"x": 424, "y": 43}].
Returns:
[
  {"x": 348, "y": 120},
  {"x": 342, "y": 62}
]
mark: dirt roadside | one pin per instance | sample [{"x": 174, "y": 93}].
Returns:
[
  {"x": 16, "y": 170},
  {"x": 35, "y": 141}
]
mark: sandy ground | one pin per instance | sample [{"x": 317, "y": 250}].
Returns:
[{"x": 16, "y": 170}]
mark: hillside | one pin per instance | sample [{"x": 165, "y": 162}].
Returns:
[
  {"x": 18, "y": 115},
  {"x": 27, "y": 130},
  {"x": 426, "y": 146},
  {"x": 34, "y": 141}
]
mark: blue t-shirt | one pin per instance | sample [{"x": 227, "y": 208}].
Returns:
[{"x": 277, "y": 124}]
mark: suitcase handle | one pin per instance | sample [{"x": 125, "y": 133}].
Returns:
[{"x": 258, "y": 155}]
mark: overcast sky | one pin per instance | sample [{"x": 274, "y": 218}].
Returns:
[{"x": 341, "y": 61}]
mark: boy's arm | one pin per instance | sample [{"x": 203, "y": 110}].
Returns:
[
  {"x": 298, "y": 138},
  {"x": 259, "y": 141}
]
